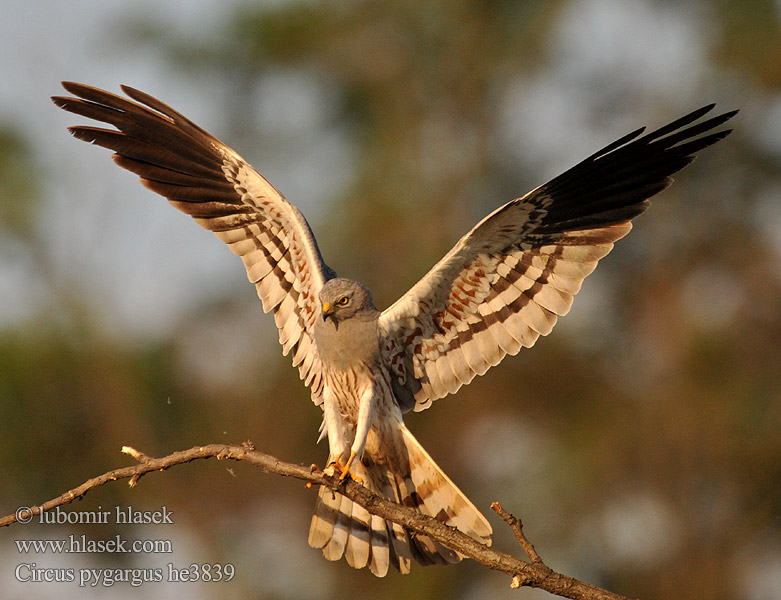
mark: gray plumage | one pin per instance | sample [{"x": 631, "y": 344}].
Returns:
[
  {"x": 347, "y": 333},
  {"x": 502, "y": 285}
]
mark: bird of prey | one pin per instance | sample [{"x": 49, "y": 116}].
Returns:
[{"x": 501, "y": 286}]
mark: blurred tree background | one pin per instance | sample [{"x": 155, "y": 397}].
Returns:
[{"x": 640, "y": 442}]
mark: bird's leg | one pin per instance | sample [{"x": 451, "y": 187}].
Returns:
[
  {"x": 335, "y": 467},
  {"x": 346, "y": 468},
  {"x": 334, "y": 427},
  {"x": 365, "y": 418}
]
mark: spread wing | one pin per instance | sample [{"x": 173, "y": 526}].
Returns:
[
  {"x": 205, "y": 179},
  {"x": 506, "y": 281}
]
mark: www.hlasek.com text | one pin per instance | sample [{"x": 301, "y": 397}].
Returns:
[{"x": 81, "y": 544}]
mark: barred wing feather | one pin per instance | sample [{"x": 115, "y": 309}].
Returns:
[
  {"x": 205, "y": 179},
  {"x": 506, "y": 282}
]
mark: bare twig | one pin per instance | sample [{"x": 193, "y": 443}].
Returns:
[
  {"x": 517, "y": 526},
  {"x": 531, "y": 574}
]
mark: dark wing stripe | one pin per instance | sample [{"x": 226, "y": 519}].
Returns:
[
  {"x": 506, "y": 282},
  {"x": 140, "y": 150},
  {"x": 202, "y": 177},
  {"x": 216, "y": 198},
  {"x": 202, "y": 209},
  {"x": 153, "y": 173}
]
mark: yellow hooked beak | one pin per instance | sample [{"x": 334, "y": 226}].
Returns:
[{"x": 327, "y": 310}]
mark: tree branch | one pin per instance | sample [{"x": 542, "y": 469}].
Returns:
[{"x": 532, "y": 573}]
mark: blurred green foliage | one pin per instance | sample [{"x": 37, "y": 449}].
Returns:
[{"x": 18, "y": 194}]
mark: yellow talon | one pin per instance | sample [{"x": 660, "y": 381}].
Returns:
[
  {"x": 346, "y": 470},
  {"x": 334, "y": 467}
]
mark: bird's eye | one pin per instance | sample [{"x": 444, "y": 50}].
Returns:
[{"x": 344, "y": 301}]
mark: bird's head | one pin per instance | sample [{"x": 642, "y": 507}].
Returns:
[{"x": 342, "y": 299}]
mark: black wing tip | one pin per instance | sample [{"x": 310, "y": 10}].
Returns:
[
  {"x": 69, "y": 86},
  {"x": 82, "y": 94},
  {"x": 728, "y": 115},
  {"x": 68, "y": 102},
  {"x": 711, "y": 122},
  {"x": 135, "y": 94},
  {"x": 701, "y": 112},
  {"x": 81, "y": 133},
  {"x": 669, "y": 131},
  {"x": 695, "y": 140},
  {"x": 89, "y": 134},
  {"x": 688, "y": 124},
  {"x": 722, "y": 118},
  {"x": 76, "y": 88},
  {"x": 680, "y": 134},
  {"x": 129, "y": 90},
  {"x": 89, "y": 93},
  {"x": 146, "y": 99}
]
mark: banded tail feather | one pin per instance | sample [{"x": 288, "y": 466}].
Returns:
[{"x": 342, "y": 528}]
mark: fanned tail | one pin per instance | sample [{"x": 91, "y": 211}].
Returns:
[{"x": 342, "y": 528}]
